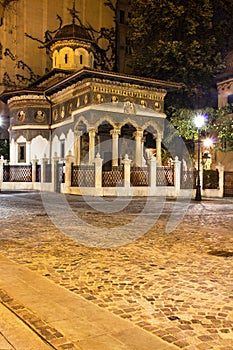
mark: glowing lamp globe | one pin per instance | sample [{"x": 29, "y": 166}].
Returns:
[{"x": 199, "y": 121}]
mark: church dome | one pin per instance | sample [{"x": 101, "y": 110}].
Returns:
[{"x": 72, "y": 31}]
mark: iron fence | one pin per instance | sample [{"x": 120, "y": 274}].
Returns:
[
  {"x": 48, "y": 173},
  {"x": 188, "y": 179},
  {"x": 165, "y": 176},
  {"x": 17, "y": 173},
  {"x": 38, "y": 173},
  {"x": 210, "y": 179},
  {"x": 139, "y": 176},
  {"x": 82, "y": 175},
  {"x": 228, "y": 184},
  {"x": 113, "y": 177}
]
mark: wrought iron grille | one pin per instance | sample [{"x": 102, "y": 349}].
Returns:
[
  {"x": 38, "y": 173},
  {"x": 17, "y": 173},
  {"x": 228, "y": 184},
  {"x": 113, "y": 177},
  {"x": 165, "y": 176},
  {"x": 210, "y": 179},
  {"x": 139, "y": 176},
  {"x": 48, "y": 173},
  {"x": 83, "y": 175},
  {"x": 188, "y": 179}
]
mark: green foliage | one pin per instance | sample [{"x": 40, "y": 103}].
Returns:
[
  {"x": 4, "y": 149},
  {"x": 223, "y": 125},
  {"x": 219, "y": 125},
  {"x": 181, "y": 41}
]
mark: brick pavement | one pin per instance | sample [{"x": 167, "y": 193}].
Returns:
[{"x": 177, "y": 286}]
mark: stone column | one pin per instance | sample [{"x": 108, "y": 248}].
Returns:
[
  {"x": 126, "y": 161},
  {"x": 55, "y": 161},
  {"x": 152, "y": 172},
  {"x": 69, "y": 160},
  {"x": 158, "y": 149},
  {"x": 177, "y": 174},
  {"x": 13, "y": 152},
  {"x": 44, "y": 161},
  {"x": 138, "y": 151},
  {"x": 115, "y": 139},
  {"x": 77, "y": 147},
  {"x": 220, "y": 169},
  {"x": 28, "y": 152},
  {"x": 91, "y": 146},
  {"x": 98, "y": 171},
  {"x": 1, "y": 171},
  {"x": 34, "y": 163}
]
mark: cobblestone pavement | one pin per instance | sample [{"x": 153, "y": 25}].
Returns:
[{"x": 177, "y": 285}]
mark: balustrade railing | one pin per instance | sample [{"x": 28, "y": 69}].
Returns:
[
  {"x": 139, "y": 176},
  {"x": 165, "y": 176},
  {"x": 210, "y": 179},
  {"x": 17, "y": 173},
  {"x": 188, "y": 179},
  {"x": 38, "y": 173},
  {"x": 82, "y": 176},
  {"x": 48, "y": 173},
  {"x": 113, "y": 177}
]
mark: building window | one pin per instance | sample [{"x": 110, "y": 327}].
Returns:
[
  {"x": 230, "y": 99},
  {"x": 22, "y": 153},
  {"x": 62, "y": 149},
  {"x": 66, "y": 58},
  {"x": 122, "y": 17},
  {"x": 81, "y": 59}
]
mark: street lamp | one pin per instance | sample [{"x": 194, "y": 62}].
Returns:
[{"x": 199, "y": 121}]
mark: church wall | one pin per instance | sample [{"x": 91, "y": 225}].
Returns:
[
  {"x": 21, "y": 58},
  {"x": 39, "y": 148}
]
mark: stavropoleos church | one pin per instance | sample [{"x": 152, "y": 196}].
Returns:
[{"x": 69, "y": 100}]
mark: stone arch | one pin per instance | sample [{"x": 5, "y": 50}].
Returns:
[
  {"x": 152, "y": 124},
  {"x": 149, "y": 141},
  {"x": 39, "y": 147},
  {"x": 81, "y": 120},
  {"x": 81, "y": 141},
  {"x": 55, "y": 58},
  {"x": 126, "y": 146},
  {"x": 128, "y": 121},
  {"x": 104, "y": 142},
  {"x": 105, "y": 119},
  {"x": 65, "y": 58},
  {"x": 20, "y": 138},
  {"x": 81, "y": 58}
]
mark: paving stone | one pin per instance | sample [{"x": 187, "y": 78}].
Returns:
[{"x": 172, "y": 280}]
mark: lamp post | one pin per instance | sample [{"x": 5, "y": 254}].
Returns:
[{"x": 199, "y": 122}]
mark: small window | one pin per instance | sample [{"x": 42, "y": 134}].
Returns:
[
  {"x": 81, "y": 59},
  {"x": 122, "y": 17},
  {"x": 66, "y": 58},
  {"x": 62, "y": 149},
  {"x": 230, "y": 99},
  {"x": 22, "y": 153}
]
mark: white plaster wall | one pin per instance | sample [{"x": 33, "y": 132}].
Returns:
[
  {"x": 69, "y": 144},
  {"x": 13, "y": 152},
  {"x": 39, "y": 148},
  {"x": 56, "y": 149}
]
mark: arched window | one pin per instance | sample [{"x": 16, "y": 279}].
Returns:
[{"x": 66, "y": 58}]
